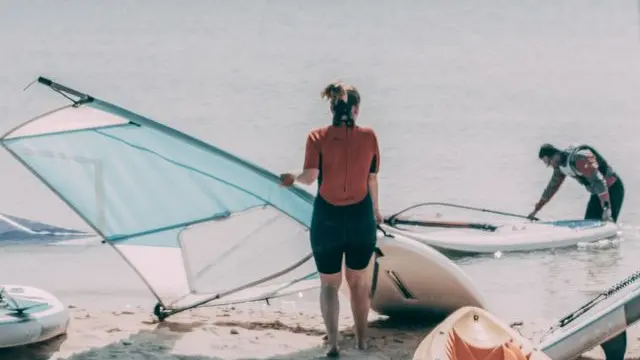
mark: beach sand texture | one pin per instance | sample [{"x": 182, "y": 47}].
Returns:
[{"x": 247, "y": 331}]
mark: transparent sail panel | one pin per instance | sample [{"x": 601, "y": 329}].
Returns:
[
  {"x": 132, "y": 179},
  {"x": 147, "y": 189},
  {"x": 125, "y": 182},
  {"x": 161, "y": 267},
  {"x": 66, "y": 119},
  {"x": 245, "y": 247},
  {"x": 266, "y": 291}
]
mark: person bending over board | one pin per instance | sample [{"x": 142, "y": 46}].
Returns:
[
  {"x": 345, "y": 159},
  {"x": 590, "y": 169}
]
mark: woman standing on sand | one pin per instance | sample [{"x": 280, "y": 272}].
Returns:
[{"x": 345, "y": 159}]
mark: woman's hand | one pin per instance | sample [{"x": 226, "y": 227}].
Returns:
[
  {"x": 378, "y": 216},
  {"x": 287, "y": 179}
]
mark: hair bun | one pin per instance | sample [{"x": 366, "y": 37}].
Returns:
[{"x": 335, "y": 91}]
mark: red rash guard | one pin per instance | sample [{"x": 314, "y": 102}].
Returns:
[{"x": 345, "y": 157}]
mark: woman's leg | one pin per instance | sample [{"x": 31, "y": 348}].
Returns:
[{"x": 327, "y": 245}]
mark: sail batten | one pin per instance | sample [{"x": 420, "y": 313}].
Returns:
[{"x": 171, "y": 204}]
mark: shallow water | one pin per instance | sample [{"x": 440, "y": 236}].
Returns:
[{"x": 461, "y": 95}]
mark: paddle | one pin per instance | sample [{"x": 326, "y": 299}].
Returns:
[{"x": 393, "y": 220}]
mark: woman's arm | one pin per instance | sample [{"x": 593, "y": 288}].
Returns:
[
  {"x": 373, "y": 190},
  {"x": 307, "y": 176},
  {"x": 311, "y": 167},
  {"x": 372, "y": 180}
]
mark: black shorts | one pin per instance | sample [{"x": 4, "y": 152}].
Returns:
[
  {"x": 336, "y": 230},
  {"x": 616, "y": 198}
]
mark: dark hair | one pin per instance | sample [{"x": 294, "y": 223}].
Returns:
[
  {"x": 342, "y": 99},
  {"x": 337, "y": 90},
  {"x": 547, "y": 150}
]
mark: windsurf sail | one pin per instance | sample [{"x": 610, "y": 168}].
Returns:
[
  {"x": 199, "y": 225},
  {"x": 446, "y": 215},
  {"x": 438, "y": 208},
  {"x": 14, "y": 228}
]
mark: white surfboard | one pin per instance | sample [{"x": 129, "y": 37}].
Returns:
[
  {"x": 409, "y": 278},
  {"x": 515, "y": 236},
  {"x": 595, "y": 322},
  {"x": 472, "y": 333}
]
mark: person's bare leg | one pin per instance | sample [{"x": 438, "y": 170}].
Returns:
[
  {"x": 330, "y": 307},
  {"x": 360, "y": 303}
]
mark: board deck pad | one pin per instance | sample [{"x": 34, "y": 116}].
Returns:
[
  {"x": 576, "y": 224},
  {"x": 11, "y": 304}
]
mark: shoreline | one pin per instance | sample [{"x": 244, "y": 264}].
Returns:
[{"x": 246, "y": 331}]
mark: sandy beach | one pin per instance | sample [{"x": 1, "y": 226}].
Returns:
[{"x": 248, "y": 331}]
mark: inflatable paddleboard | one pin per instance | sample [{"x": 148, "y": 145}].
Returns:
[
  {"x": 515, "y": 236},
  {"x": 471, "y": 333},
  {"x": 597, "y": 321},
  {"x": 29, "y": 315}
]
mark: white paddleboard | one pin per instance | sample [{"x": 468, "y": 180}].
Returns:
[
  {"x": 472, "y": 333},
  {"x": 597, "y": 321},
  {"x": 409, "y": 278},
  {"x": 29, "y": 315},
  {"x": 517, "y": 236}
]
